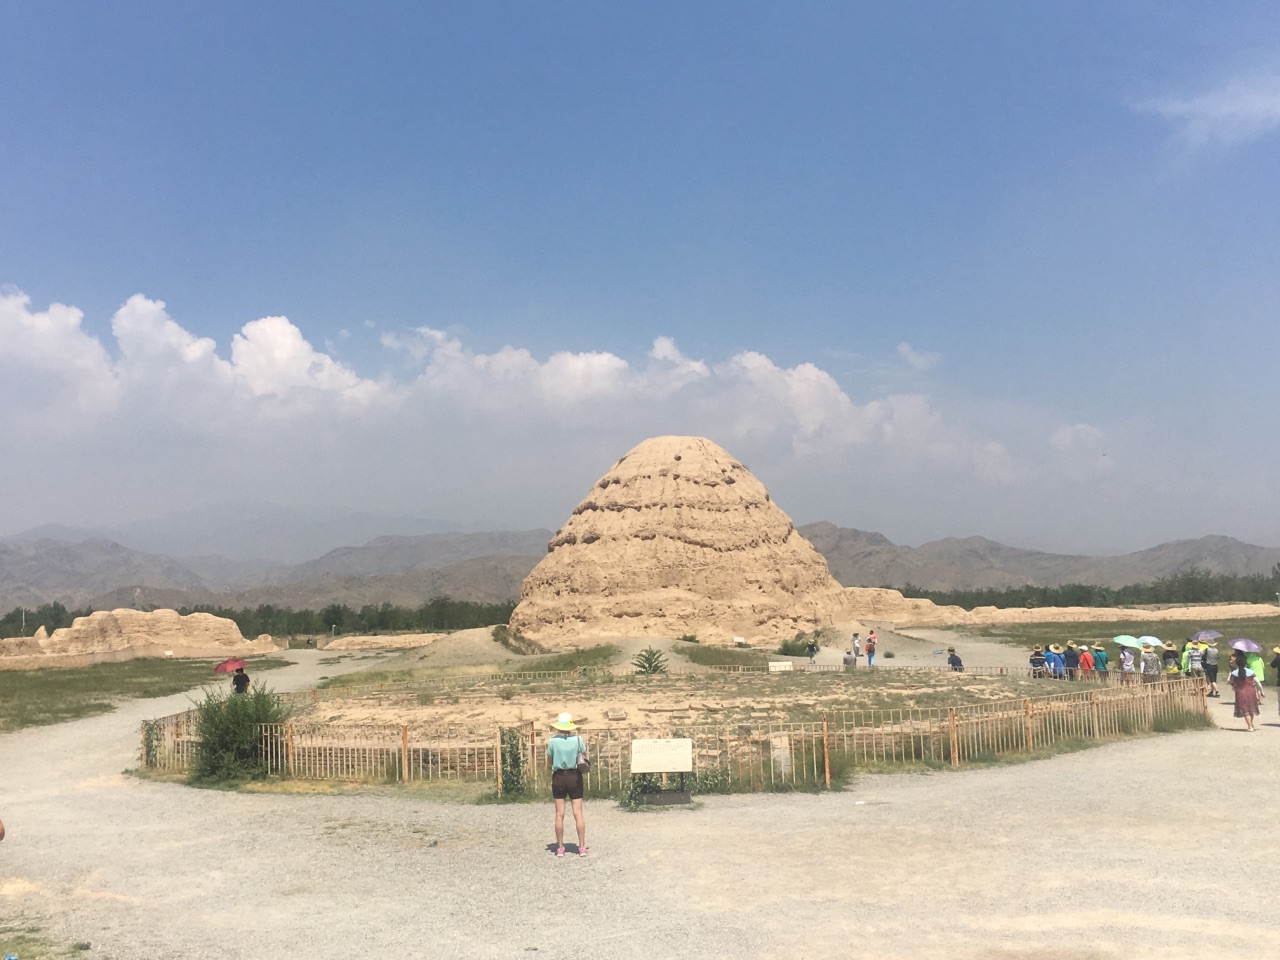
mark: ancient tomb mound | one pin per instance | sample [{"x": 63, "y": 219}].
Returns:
[
  {"x": 677, "y": 538},
  {"x": 127, "y": 634}
]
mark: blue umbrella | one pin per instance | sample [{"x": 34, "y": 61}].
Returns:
[{"x": 1154, "y": 641}]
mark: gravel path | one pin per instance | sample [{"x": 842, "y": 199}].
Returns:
[{"x": 1121, "y": 851}]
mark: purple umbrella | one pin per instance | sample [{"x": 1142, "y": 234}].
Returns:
[
  {"x": 1248, "y": 646},
  {"x": 1206, "y": 635}
]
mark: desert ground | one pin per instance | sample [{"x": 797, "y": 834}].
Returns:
[{"x": 1129, "y": 850}]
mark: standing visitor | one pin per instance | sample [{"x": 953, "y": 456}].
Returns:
[
  {"x": 1037, "y": 662},
  {"x": 850, "y": 661},
  {"x": 1210, "y": 653},
  {"x": 954, "y": 661},
  {"x": 857, "y": 648},
  {"x": 1149, "y": 665},
  {"x": 563, "y": 752},
  {"x": 871, "y": 649},
  {"x": 1071, "y": 660},
  {"x": 812, "y": 651},
  {"x": 1086, "y": 662},
  {"x": 1275, "y": 664},
  {"x": 1126, "y": 665},
  {"x": 1254, "y": 662},
  {"x": 1053, "y": 660},
  {"x": 1169, "y": 659},
  {"x": 239, "y": 681},
  {"x": 1100, "y": 659},
  {"x": 1248, "y": 690}
]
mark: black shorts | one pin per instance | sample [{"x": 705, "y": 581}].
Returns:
[
  {"x": 1211, "y": 673},
  {"x": 566, "y": 784}
]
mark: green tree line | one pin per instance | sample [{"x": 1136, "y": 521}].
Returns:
[
  {"x": 1189, "y": 586},
  {"x": 439, "y": 613}
]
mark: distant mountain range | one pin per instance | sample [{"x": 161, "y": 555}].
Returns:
[
  {"x": 860, "y": 559},
  {"x": 489, "y": 567}
]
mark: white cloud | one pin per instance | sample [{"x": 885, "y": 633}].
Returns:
[
  {"x": 447, "y": 432},
  {"x": 1239, "y": 111},
  {"x": 917, "y": 360}
]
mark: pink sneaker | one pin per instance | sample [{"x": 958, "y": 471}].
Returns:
[
  {"x": 559, "y": 851},
  {"x": 582, "y": 851}
]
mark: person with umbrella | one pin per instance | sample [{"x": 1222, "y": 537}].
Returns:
[
  {"x": 1248, "y": 690},
  {"x": 1150, "y": 664},
  {"x": 239, "y": 679},
  {"x": 1211, "y": 665}
]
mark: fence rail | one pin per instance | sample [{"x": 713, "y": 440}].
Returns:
[{"x": 727, "y": 757}]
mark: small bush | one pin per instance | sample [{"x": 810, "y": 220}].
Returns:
[
  {"x": 230, "y": 744},
  {"x": 688, "y": 638},
  {"x": 798, "y": 646},
  {"x": 649, "y": 662},
  {"x": 888, "y": 654}
]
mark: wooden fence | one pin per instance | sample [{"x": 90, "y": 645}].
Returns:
[{"x": 727, "y": 758}]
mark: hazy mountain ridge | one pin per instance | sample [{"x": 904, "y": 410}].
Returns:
[
  {"x": 860, "y": 559},
  {"x": 489, "y": 567}
]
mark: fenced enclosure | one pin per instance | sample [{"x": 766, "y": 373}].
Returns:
[{"x": 756, "y": 755}]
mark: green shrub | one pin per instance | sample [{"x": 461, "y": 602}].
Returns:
[
  {"x": 888, "y": 654},
  {"x": 798, "y": 646},
  {"x": 649, "y": 661},
  {"x": 688, "y": 638},
  {"x": 230, "y": 741},
  {"x": 514, "y": 641}
]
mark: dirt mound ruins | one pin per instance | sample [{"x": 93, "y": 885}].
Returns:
[
  {"x": 127, "y": 634},
  {"x": 677, "y": 538}
]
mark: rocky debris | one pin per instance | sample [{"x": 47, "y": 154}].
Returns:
[
  {"x": 126, "y": 634},
  {"x": 678, "y": 538}
]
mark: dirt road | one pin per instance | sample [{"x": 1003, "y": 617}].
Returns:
[{"x": 1131, "y": 850}]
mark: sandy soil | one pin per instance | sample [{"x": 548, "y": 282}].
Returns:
[{"x": 1121, "y": 851}]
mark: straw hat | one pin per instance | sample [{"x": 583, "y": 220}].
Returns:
[
  {"x": 1275, "y": 649},
  {"x": 1055, "y": 648},
  {"x": 1147, "y": 646},
  {"x": 565, "y": 722},
  {"x": 1168, "y": 646},
  {"x": 953, "y": 650},
  {"x": 1071, "y": 643}
]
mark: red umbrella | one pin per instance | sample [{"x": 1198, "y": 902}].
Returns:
[{"x": 230, "y": 666}]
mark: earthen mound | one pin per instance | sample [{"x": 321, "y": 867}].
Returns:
[
  {"x": 678, "y": 538},
  {"x": 127, "y": 634}
]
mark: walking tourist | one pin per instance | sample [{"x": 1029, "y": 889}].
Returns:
[
  {"x": 870, "y": 648},
  {"x": 239, "y": 681},
  {"x": 1037, "y": 662},
  {"x": 1149, "y": 664},
  {"x": 1100, "y": 658},
  {"x": 1071, "y": 660},
  {"x": 954, "y": 661},
  {"x": 812, "y": 651},
  {"x": 1193, "y": 659},
  {"x": 857, "y": 648},
  {"x": 1275, "y": 664},
  {"x": 1126, "y": 665},
  {"x": 849, "y": 660},
  {"x": 1211, "y": 666},
  {"x": 1169, "y": 658},
  {"x": 1254, "y": 662},
  {"x": 563, "y": 752},
  {"x": 1247, "y": 688}
]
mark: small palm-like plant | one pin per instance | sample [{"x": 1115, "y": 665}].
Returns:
[{"x": 649, "y": 661}]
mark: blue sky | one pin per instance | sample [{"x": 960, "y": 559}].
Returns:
[{"x": 929, "y": 269}]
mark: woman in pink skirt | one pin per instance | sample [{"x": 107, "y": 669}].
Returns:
[{"x": 1245, "y": 683}]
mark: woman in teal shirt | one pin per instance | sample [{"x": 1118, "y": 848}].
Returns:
[{"x": 566, "y": 779}]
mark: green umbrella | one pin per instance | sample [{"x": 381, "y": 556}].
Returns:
[{"x": 1124, "y": 640}]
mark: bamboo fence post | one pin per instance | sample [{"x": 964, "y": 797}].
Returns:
[
  {"x": 1093, "y": 712},
  {"x": 826, "y": 751},
  {"x": 955, "y": 739},
  {"x": 498, "y": 756},
  {"x": 404, "y": 753},
  {"x": 1203, "y": 689},
  {"x": 288, "y": 743}
]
